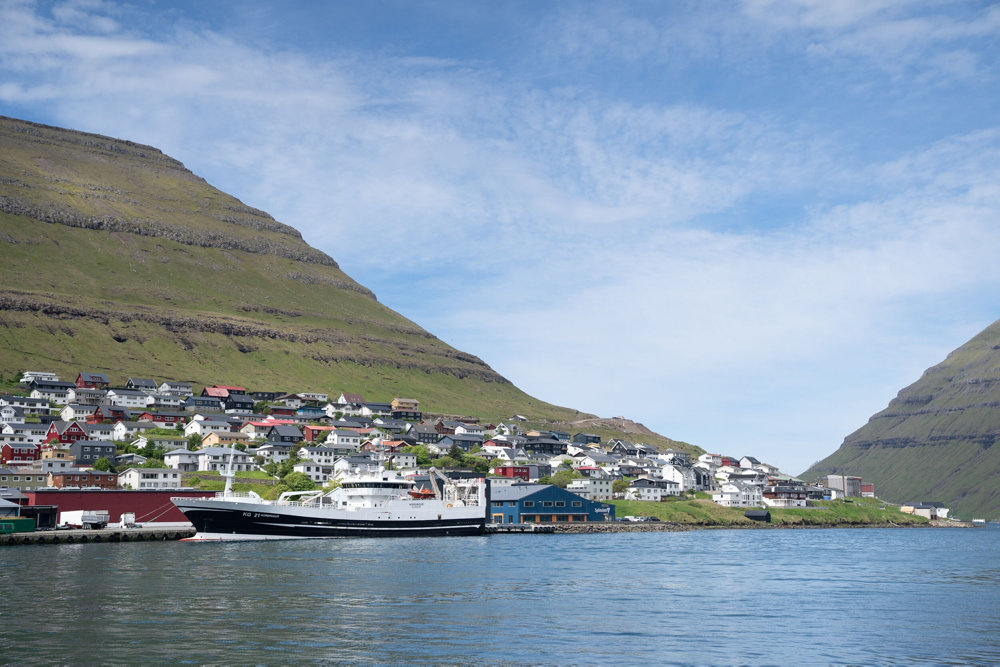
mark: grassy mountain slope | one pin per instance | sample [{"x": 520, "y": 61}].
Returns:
[
  {"x": 938, "y": 439},
  {"x": 115, "y": 258}
]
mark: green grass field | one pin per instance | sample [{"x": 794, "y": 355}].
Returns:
[{"x": 703, "y": 512}]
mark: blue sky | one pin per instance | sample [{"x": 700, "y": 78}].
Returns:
[{"x": 745, "y": 224}]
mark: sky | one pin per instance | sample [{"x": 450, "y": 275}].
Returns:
[{"x": 746, "y": 225}]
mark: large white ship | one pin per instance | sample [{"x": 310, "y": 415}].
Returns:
[{"x": 366, "y": 504}]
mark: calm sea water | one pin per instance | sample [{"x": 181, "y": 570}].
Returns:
[{"x": 782, "y": 597}]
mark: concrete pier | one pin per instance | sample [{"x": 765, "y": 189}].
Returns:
[{"x": 79, "y": 536}]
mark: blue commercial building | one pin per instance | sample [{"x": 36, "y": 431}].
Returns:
[{"x": 544, "y": 503}]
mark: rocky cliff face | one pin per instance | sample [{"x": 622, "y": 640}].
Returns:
[
  {"x": 104, "y": 184},
  {"x": 935, "y": 440}
]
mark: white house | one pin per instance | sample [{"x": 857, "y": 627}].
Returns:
[
  {"x": 472, "y": 429},
  {"x": 29, "y": 405},
  {"x": 127, "y": 398},
  {"x": 401, "y": 460},
  {"x": 203, "y": 427},
  {"x": 20, "y": 434},
  {"x": 176, "y": 388},
  {"x": 343, "y": 437},
  {"x": 259, "y": 429},
  {"x": 652, "y": 489},
  {"x": 217, "y": 458},
  {"x": 275, "y": 451},
  {"x": 355, "y": 463},
  {"x": 28, "y": 376},
  {"x": 86, "y": 396},
  {"x": 320, "y": 455},
  {"x": 712, "y": 460},
  {"x": 163, "y": 401},
  {"x": 76, "y": 412},
  {"x": 149, "y": 478},
  {"x": 52, "y": 395},
  {"x": 591, "y": 488},
  {"x": 375, "y": 409},
  {"x": 507, "y": 454},
  {"x": 318, "y": 472},
  {"x": 683, "y": 476},
  {"x": 167, "y": 442},
  {"x": 10, "y": 414},
  {"x": 181, "y": 459},
  {"x": 736, "y": 494},
  {"x": 129, "y": 430},
  {"x": 99, "y": 431}
]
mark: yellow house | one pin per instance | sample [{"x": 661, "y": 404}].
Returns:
[
  {"x": 405, "y": 404},
  {"x": 217, "y": 439}
]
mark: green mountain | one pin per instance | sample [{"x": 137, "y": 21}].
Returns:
[
  {"x": 938, "y": 438},
  {"x": 115, "y": 258}
]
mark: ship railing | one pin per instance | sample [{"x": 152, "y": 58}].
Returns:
[{"x": 242, "y": 495}]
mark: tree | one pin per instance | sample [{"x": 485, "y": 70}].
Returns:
[
  {"x": 564, "y": 477},
  {"x": 298, "y": 481},
  {"x": 154, "y": 463},
  {"x": 447, "y": 462},
  {"x": 194, "y": 442},
  {"x": 104, "y": 465},
  {"x": 620, "y": 485},
  {"x": 422, "y": 453}
]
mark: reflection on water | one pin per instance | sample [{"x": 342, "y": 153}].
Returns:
[{"x": 707, "y": 597}]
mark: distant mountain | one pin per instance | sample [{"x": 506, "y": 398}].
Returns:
[
  {"x": 939, "y": 439},
  {"x": 115, "y": 258}
]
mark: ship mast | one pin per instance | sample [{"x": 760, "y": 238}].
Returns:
[{"x": 226, "y": 492}]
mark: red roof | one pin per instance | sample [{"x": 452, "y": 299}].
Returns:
[{"x": 217, "y": 392}]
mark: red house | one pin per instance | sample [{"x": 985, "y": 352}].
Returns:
[
  {"x": 19, "y": 453},
  {"x": 109, "y": 413},
  {"x": 313, "y": 433},
  {"x": 161, "y": 417},
  {"x": 518, "y": 472},
  {"x": 92, "y": 381},
  {"x": 65, "y": 432},
  {"x": 281, "y": 410}
]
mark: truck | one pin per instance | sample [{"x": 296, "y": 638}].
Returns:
[{"x": 89, "y": 519}]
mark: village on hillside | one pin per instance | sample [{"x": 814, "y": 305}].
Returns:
[{"x": 143, "y": 435}]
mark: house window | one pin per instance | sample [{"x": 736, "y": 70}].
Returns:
[
  {"x": 577, "y": 503},
  {"x": 546, "y": 503},
  {"x": 560, "y": 503},
  {"x": 529, "y": 503}
]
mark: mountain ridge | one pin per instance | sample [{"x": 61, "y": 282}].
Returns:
[
  {"x": 935, "y": 440},
  {"x": 117, "y": 258}
]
